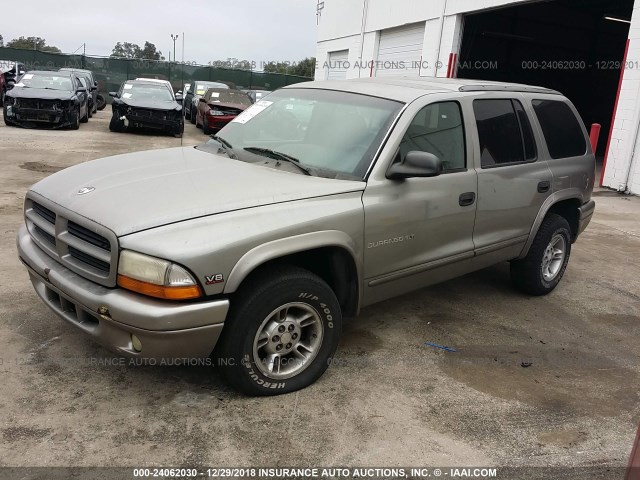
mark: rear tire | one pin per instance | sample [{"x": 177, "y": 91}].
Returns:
[
  {"x": 544, "y": 266},
  {"x": 101, "y": 102},
  {"x": 283, "y": 329}
]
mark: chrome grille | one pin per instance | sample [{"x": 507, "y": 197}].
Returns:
[{"x": 87, "y": 248}]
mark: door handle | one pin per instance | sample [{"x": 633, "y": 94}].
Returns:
[
  {"x": 543, "y": 187},
  {"x": 467, "y": 199}
]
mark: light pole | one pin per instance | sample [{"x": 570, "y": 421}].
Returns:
[{"x": 174, "y": 38}]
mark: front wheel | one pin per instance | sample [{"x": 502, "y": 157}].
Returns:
[
  {"x": 116, "y": 125},
  {"x": 544, "y": 266},
  {"x": 205, "y": 126},
  {"x": 283, "y": 330},
  {"x": 75, "y": 120}
]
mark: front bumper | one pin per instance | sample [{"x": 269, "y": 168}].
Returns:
[
  {"x": 158, "y": 120},
  {"x": 23, "y": 116},
  {"x": 219, "y": 121},
  {"x": 167, "y": 330}
]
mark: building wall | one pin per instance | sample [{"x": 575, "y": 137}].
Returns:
[
  {"x": 623, "y": 160},
  {"x": 341, "y": 26}
]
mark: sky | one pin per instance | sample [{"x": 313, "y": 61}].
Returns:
[{"x": 254, "y": 30}]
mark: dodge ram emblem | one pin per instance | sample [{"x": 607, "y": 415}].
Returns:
[{"x": 85, "y": 190}]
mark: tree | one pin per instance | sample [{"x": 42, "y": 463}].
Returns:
[
  {"x": 150, "y": 52},
  {"x": 33, "y": 43},
  {"x": 1, "y": 41},
  {"x": 132, "y": 50},
  {"x": 303, "y": 68},
  {"x": 233, "y": 63}
]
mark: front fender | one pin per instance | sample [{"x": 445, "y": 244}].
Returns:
[{"x": 287, "y": 246}]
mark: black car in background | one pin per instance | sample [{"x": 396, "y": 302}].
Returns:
[
  {"x": 92, "y": 86},
  {"x": 55, "y": 99},
  {"x": 146, "y": 104},
  {"x": 196, "y": 90}
]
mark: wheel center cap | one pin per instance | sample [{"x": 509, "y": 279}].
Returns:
[{"x": 285, "y": 338}]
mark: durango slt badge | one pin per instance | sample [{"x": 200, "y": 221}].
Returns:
[{"x": 85, "y": 190}]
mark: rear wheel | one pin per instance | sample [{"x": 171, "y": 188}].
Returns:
[
  {"x": 282, "y": 332},
  {"x": 101, "y": 102},
  {"x": 543, "y": 267}
]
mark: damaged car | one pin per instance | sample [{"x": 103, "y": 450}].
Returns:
[
  {"x": 43, "y": 98},
  {"x": 218, "y": 107},
  {"x": 146, "y": 104}
]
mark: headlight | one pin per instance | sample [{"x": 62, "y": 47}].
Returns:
[
  {"x": 215, "y": 113},
  {"x": 155, "y": 277}
]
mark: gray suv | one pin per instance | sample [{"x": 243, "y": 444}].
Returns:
[{"x": 249, "y": 251}]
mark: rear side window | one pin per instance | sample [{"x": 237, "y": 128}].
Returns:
[
  {"x": 561, "y": 129},
  {"x": 505, "y": 133}
]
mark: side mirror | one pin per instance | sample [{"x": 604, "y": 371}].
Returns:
[
  {"x": 94, "y": 88},
  {"x": 95, "y": 83},
  {"x": 416, "y": 164},
  {"x": 179, "y": 92},
  {"x": 81, "y": 89},
  {"x": 178, "y": 97},
  {"x": 113, "y": 94}
]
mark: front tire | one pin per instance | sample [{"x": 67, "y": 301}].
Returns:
[
  {"x": 205, "y": 127},
  {"x": 544, "y": 266},
  {"x": 75, "y": 122},
  {"x": 116, "y": 125},
  {"x": 282, "y": 332}
]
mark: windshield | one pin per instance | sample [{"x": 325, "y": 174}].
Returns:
[
  {"x": 201, "y": 87},
  {"x": 323, "y": 129},
  {"x": 227, "y": 96},
  {"x": 146, "y": 91},
  {"x": 52, "y": 81}
]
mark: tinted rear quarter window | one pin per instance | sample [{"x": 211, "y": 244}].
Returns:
[{"x": 561, "y": 129}]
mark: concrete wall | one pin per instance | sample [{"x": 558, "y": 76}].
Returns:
[
  {"x": 623, "y": 160},
  {"x": 340, "y": 27}
]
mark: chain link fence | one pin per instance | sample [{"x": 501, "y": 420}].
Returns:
[{"x": 111, "y": 72}]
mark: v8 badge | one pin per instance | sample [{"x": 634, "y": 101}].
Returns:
[{"x": 213, "y": 279}]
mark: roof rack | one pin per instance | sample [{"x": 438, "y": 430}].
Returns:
[{"x": 507, "y": 88}]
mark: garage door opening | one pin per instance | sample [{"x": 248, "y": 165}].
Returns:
[{"x": 574, "y": 46}]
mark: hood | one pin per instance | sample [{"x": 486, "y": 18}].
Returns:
[
  {"x": 40, "y": 93},
  {"x": 239, "y": 106},
  {"x": 143, "y": 190},
  {"x": 150, "y": 104}
]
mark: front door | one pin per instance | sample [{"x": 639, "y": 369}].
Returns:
[{"x": 416, "y": 226}]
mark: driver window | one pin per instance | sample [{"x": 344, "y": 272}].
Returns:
[{"x": 438, "y": 129}]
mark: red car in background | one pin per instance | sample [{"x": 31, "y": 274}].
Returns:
[{"x": 218, "y": 106}]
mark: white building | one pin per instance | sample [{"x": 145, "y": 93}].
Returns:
[{"x": 575, "y": 46}]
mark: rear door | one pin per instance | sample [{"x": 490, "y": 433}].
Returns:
[{"x": 514, "y": 178}]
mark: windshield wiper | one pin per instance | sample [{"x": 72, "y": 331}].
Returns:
[
  {"x": 267, "y": 152},
  {"x": 228, "y": 148}
]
